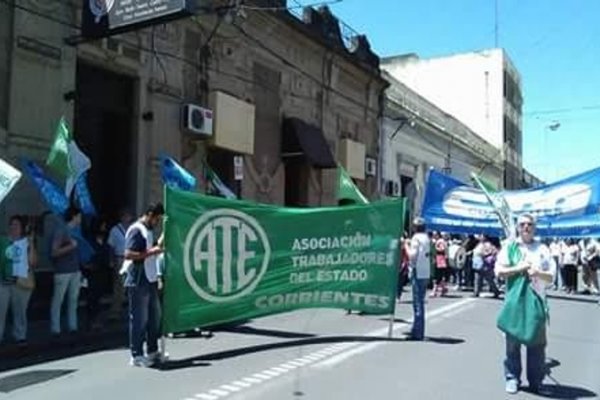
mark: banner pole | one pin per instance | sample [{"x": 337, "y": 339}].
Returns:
[{"x": 163, "y": 347}]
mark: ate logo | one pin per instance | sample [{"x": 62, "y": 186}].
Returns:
[
  {"x": 100, "y": 8},
  {"x": 226, "y": 253}
]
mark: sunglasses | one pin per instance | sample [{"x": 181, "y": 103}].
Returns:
[{"x": 525, "y": 223}]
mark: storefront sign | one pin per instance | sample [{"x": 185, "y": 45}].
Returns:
[{"x": 103, "y": 18}]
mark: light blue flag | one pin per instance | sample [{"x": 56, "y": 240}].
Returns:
[
  {"x": 83, "y": 197},
  {"x": 174, "y": 175},
  {"x": 52, "y": 194},
  {"x": 85, "y": 249}
]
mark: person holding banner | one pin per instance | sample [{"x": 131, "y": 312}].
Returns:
[
  {"x": 142, "y": 280},
  {"x": 16, "y": 279},
  {"x": 418, "y": 250},
  {"x": 531, "y": 260}
]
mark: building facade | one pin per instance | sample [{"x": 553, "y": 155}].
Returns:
[
  {"x": 417, "y": 136},
  {"x": 480, "y": 89},
  {"x": 290, "y": 97}
]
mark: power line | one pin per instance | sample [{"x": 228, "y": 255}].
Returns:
[
  {"x": 316, "y": 4},
  {"x": 13, "y": 4},
  {"x": 564, "y": 110},
  {"x": 290, "y": 64}
]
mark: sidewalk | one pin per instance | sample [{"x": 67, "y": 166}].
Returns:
[{"x": 42, "y": 347}]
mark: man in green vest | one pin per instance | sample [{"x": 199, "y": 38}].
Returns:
[{"x": 529, "y": 269}]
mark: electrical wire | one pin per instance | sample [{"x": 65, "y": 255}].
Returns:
[
  {"x": 564, "y": 110},
  {"x": 290, "y": 64},
  {"x": 13, "y": 4},
  {"x": 316, "y": 4}
]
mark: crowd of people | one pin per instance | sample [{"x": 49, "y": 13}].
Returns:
[
  {"x": 524, "y": 268},
  {"x": 466, "y": 263},
  {"x": 84, "y": 258}
]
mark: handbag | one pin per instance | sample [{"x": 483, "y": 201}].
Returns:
[
  {"x": 524, "y": 313},
  {"x": 27, "y": 283}
]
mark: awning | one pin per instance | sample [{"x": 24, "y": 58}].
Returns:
[{"x": 304, "y": 140}]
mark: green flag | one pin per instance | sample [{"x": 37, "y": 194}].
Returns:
[
  {"x": 5, "y": 263},
  {"x": 233, "y": 260},
  {"x": 498, "y": 202},
  {"x": 347, "y": 190},
  {"x": 65, "y": 158}
]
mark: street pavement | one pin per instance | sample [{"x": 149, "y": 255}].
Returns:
[{"x": 326, "y": 354}]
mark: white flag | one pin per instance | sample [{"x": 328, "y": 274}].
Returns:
[
  {"x": 78, "y": 164},
  {"x": 9, "y": 176}
]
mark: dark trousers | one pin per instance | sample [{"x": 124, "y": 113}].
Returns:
[
  {"x": 487, "y": 275},
  {"x": 536, "y": 362},
  {"x": 571, "y": 277},
  {"x": 144, "y": 317}
]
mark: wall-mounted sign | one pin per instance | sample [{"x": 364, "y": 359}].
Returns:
[{"x": 103, "y": 18}]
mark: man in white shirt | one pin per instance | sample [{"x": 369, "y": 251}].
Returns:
[
  {"x": 141, "y": 280},
  {"x": 537, "y": 262},
  {"x": 116, "y": 241},
  {"x": 418, "y": 250}
]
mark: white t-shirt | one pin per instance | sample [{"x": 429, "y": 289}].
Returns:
[
  {"x": 419, "y": 255},
  {"x": 571, "y": 254},
  {"x": 116, "y": 240},
  {"x": 17, "y": 252},
  {"x": 538, "y": 254},
  {"x": 151, "y": 266}
]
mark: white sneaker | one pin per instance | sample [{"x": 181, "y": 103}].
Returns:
[
  {"x": 140, "y": 361},
  {"x": 158, "y": 357}
]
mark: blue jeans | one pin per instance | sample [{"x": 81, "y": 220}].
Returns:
[
  {"x": 536, "y": 362},
  {"x": 144, "y": 317},
  {"x": 419, "y": 289}
]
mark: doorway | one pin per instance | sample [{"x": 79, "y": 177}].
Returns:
[{"x": 103, "y": 128}]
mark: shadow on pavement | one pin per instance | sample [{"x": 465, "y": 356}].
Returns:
[
  {"x": 23, "y": 379},
  {"x": 557, "y": 391},
  {"x": 400, "y": 320},
  {"x": 248, "y": 330},
  {"x": 199, "y": 361},
  {"x": 443, "y": 340},
  {"x": 56, "y": 349},
  {"x": 590, "y": 299}
]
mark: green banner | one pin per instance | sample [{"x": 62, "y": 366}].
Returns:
[{"x": 229, "y": 260}]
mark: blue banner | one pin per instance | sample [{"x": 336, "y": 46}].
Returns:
[
  {"x": 52, "y": 194},
  {"x": 567, "y": 208},
  {"x": 83, "y": 196},
  {"x": 175, "y": 176}
]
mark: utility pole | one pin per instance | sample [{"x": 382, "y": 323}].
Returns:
[{"x": 496, "y": 24}]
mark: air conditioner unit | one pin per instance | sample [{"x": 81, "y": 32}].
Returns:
[
  {"x": 370, "y": 166},
  {"x": 197, "y": 120},
  {"x": 392, "y": 188}
]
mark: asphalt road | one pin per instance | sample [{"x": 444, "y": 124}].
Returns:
[{"x": 325, "y": 354}]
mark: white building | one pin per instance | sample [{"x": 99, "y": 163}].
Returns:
[
  {"x": 416, "y": 136},
  {"x": 481, "y": 89}
]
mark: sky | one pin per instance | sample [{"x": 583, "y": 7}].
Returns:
[{"x": 555, "y": 45}]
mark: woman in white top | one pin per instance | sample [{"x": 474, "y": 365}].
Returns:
[
  {"x": 570, "y": 262},
  {"x": 22, "y": 258}
]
